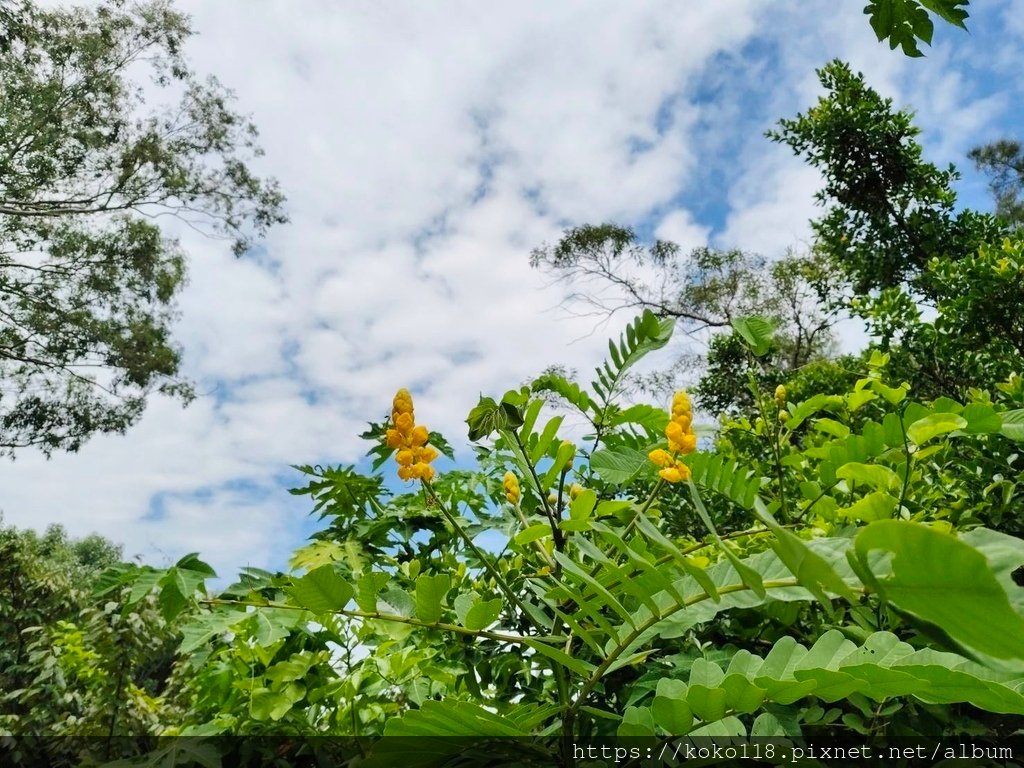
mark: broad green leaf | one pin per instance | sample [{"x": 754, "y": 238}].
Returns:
[
  {"x": 583, "y": 505},
  {"x": 533, "y": 533},
  {"x": 877, "y": 476},
  {"x": 874, "y": 506},
  {"x": 982, "y": 419},
  {"x": 923, "y": 430},
  {"x": 203, "y": 628},
  {"x": 946, "y": 582},
  {"x": 636, "y": 721},
  {"x": 670, "y": 711},
  {"x": 883, "y": 667},
  {"x": 483, "y": 614},
  {"x": 756, "y": 332},
  {"x": 430, "y": 594},
  {"x": 368, "y": 587},
  {"x": 1013, "y": 424},
  {"x": 322, "y": 590}
]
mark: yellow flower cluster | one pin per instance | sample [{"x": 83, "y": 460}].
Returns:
[
  {"x": 780, "y": 396},
  {"x": 511, "y": 485},
  {"x": 681, "y": 440},
  {"x": 414, "y": 455}
]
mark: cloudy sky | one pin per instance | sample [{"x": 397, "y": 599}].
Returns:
[{"x": 425, "y": 148}]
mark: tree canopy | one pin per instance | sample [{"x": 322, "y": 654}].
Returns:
[{"x": 92, "y": 160}]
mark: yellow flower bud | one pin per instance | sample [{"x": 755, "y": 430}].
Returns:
[
  {"x": 427, "y": 453},
  {"x": 660, "y": 457},
  {"x": 394, "y": 438},
  {"x": 670, "y": 475},
  {"x": 511, "y": 485},
  {"x": 405, "y": 458},
  {"x": 686, "y": 443},
  {"x": 403, "y": 401},
  {"x": 405, "y": 473},
  {"x": 419, "y": 436},
  {"x": 404, "y": 422},
  {"x": 780, "y": 395},
  {"x": 681, "y": 404}
]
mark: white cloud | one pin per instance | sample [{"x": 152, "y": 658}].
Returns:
[{"x": 425, "y": 149}]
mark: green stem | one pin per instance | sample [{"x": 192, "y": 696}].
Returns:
[{"x": 556, "y": 532}]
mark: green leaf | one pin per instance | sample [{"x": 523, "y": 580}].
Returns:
[
  {"x": 582, "y": 506},
  {"x": 482, "y": 614},
  {"x": 878, "y": 477},
  {"x": 923, "y": 430},
  {"x": 670, "y": 711},
  {"x": 533, "y": 533},
  {"x": 322, "y": 590},
  {"x": 489, "y": 417},
  {"x": 835, "y": 668},
  {"x": 982, "y": 419},
  {"x": 368, "y": 587},
  {"x": 1013, "y": 424},
  {"x": 874, "y": 506},
  {"x": 756, "y": 332},
  {"x": 636, "y": 721},
  {"x": 203, "y": 628},
  {"x": 946, "y": 582},
  {"x": 450, "y": 718},
  {"x": 621, "y": 465},
  {"x": 430, "y": 594}
]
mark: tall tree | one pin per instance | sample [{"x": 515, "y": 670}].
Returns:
[
  {"x": 1003, "y": 162},
  {"x": 91, "y": 159},
  {"x": 892, "y": 230}
]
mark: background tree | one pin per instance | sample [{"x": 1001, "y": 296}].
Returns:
[
  {"x": 87, "y": 169},
  {"x": 900, "y": 248},
  {"x": 705, "y": 290},
  {"x": 1003, "y": 162}
]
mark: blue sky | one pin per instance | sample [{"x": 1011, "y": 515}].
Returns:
[{"x": 425, "y": 150}]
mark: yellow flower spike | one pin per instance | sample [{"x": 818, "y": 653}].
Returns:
[
  {"x": 660, "y": 457},
  {"x": 681, "y": 403},
  {"x": 511, "y": 485},
  {"x": 403, "y": 401},
  {"x": 780, "y": 396}
]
